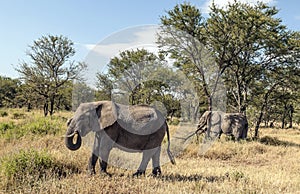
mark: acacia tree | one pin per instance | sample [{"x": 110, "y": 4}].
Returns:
[
  {"x": 247, "y": 43},
  {"x": 50, "y": 67}
]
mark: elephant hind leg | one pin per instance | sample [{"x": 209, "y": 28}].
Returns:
[
  {"x": 147, "y": 155},
  {"x": 156, "y": 171}
]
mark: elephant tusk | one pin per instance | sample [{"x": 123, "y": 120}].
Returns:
[{"x": 72, "y": 134}]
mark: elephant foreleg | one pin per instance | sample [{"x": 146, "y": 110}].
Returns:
[
  {"x": 95, "y": 154},
  {"x": 105, "y": 148},
  {"x": 103, "y": 162},
  {"x": 92, "y": 163}
]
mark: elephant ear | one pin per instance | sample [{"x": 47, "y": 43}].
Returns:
[{"x": 106, "y": 113}]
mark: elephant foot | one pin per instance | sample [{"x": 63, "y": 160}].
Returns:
[
  {"x": 105, "y": 173},
  {"x": 139, "y": 173},
  {"x": 156, "y": 171}
]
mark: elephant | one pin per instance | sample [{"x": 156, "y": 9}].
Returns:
[
  {"x": 137, "y": 128},
  {"x": 215, "y": 123}
]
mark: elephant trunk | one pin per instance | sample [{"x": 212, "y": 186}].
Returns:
[{"x": 69, "y": 140}]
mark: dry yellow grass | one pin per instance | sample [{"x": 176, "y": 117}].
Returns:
[{"x": 227, "y": 167}]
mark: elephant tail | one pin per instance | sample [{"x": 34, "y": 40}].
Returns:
[{"x": 172, "y": 159}]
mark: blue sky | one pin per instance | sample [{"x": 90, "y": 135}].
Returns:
[{"x": 87, "y": 23}]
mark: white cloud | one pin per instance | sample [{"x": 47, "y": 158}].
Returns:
[
  {"x": 98, "y": 55},
  {"x": 141, "y": 36},
  {"x": 222, "y": 3}
]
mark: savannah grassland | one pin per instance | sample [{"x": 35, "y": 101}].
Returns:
[{"x": 34, "y": 159}]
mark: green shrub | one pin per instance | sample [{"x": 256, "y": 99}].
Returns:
[
  {"x": 237, "y": 176},
  {"x": 30, "y": 166},
  {"x": 18, "y": 115},
  {"x": 6, "y": 126},
  {"x": 26, "y": 163},
  {"x": 3, "y": 114},
  {"x": 37, "y": 125},
  {"x": 42, "y": 126}
]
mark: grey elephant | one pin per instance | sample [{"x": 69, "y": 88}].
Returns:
[
  {"x": 215, "y": 123},
  {"x": 138, "y": 128}
]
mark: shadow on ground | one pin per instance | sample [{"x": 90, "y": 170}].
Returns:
[
  {"x": 191, "y": 178},
  {"x": 273, "y": 141}
]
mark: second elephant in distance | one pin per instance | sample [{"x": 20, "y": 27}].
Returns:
[{"x": 214, "y": 123}]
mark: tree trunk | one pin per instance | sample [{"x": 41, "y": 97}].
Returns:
[
  {"x": 51, "y": 106},
  {"x": 258, "y": 121},
  {"x": 283, "y": 117},
  {"x": 265, "y": 103},
  {"x": 46, "y": 109},
  {"x": 291, "y": 116},
  {"x": 29, "y": 107}
]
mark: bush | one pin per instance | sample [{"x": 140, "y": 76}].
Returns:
[
  {"x": 17, "y": 115},
  {"x": 3, "y": 114},
  {"x": 35, "y": 126},
  {"x": 43, "y": 126},
  {"x": 28, "y": 167},
  {"x": 6, "y": 126},
  {"x": 27, "y": 163}
]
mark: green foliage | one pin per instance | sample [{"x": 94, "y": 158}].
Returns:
[
  {"x": 42, "y": 126},
  {"x": 26, "y": 163},
  {"x": 32, "y": 125},
  {"x": 5, "y": 127},
  {"x": 139, "y": 77},
  {"x": 31, "y": 166},
  {"x": 8, "y": 91},
  {"x": 18, "y": 115},
  {"x": 237, "y": 176},
  {"x": 3, "y": 114},
  {"x": 256, "y": 55},
  {"x": 185, "y": 17}
]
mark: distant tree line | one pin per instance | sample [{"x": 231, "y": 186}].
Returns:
[{"x": 244, "y": 45}]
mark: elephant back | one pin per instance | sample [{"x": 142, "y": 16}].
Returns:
[{"x": 139, "y": 119}]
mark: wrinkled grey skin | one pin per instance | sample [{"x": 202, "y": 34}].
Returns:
[
  {"x": 138, "y": 128},
  {"x": 215, "y": 123}
]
